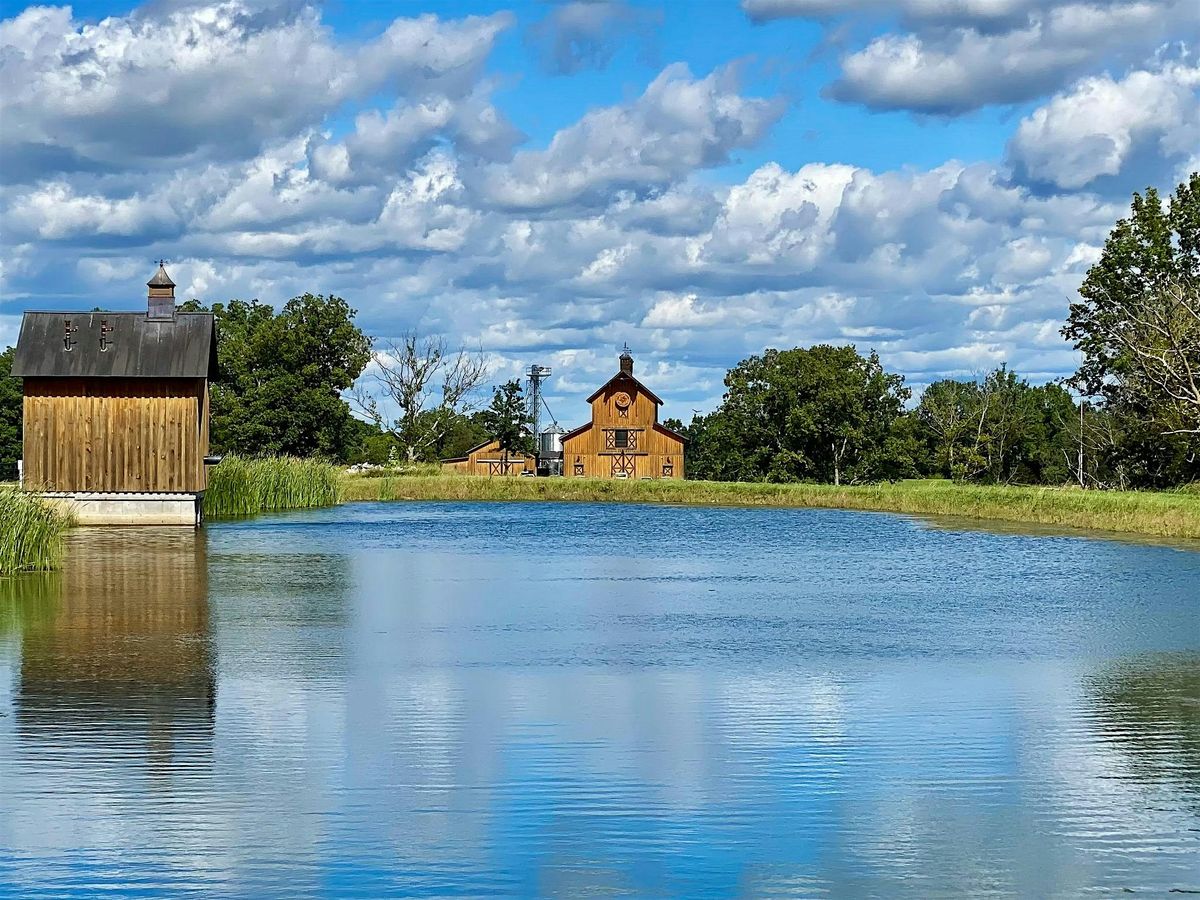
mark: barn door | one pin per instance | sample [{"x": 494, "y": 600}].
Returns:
[{"x": 623, "y": 465}]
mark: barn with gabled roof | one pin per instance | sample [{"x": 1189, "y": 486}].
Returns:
[
  {"x": 116, "y": 409},
  {"x": 624, "y": 439}
]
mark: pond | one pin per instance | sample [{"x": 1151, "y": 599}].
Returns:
[{"x": 430, "y": 699}]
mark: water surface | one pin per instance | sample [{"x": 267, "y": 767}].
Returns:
[{"x": 471, "y": 699}]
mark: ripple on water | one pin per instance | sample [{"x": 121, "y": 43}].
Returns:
[{"x": 417, "y": 699}]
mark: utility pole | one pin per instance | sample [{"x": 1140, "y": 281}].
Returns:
[{"x": 1081, "y": 483}]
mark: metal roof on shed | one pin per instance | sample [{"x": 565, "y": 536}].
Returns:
[{"x": 138, "y": 347}]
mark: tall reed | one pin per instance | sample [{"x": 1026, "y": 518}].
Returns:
[
  {"x": 31, "y": 533},
  {"x": 243, "y": 486}
]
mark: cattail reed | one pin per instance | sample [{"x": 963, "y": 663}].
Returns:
[{"x": 241, "y": 486}]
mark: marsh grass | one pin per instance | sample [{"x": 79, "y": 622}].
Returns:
[
  {"x": 31, "y": 533},
  {"x": 1163, "y": 514},
  {"x": 241, "y": 486}
]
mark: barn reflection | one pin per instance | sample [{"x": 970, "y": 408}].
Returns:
[{"x": 116, "y": 651}]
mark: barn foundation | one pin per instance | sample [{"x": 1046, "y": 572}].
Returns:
[{"x": 108, "y": 508}]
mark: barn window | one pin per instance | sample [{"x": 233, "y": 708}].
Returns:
[
  {"x": 668, "y": 469},
  {"x": 621, "y": 437}
]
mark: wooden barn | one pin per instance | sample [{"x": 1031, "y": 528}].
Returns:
[
  {"x": 488, "y": 459},
  {"x": 116, "y": 409},
  {"x": 624, "y": 438}
]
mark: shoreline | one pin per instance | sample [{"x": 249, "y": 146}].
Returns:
[{"x": 1148, "y": 513}]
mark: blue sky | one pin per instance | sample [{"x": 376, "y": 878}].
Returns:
[{"x": 929, "y": 178}]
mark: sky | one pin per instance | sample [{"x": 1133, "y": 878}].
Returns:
[{"x": 551, "y": 181}]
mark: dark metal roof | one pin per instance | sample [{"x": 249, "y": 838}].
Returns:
[
  {"x": 161, "y": 278},
  {"x": 137, "y": 347}
]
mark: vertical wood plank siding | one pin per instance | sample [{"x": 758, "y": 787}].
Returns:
[
  {"x": 487, "y": 459},
  {"x": 659, "y": 454},
  {"x": 110, "y": 434}
]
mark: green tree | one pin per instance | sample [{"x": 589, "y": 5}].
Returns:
[
  {"x": 819, "y": 414},
  {"x": 1137, "y": 322},
  {"x": 281, "y": 377},
  {"x": 507, "y": 420},
  {"x": 1000, "y": 430},
  {"x": 10, "y": 418},
  {"x": 948, "y": 413},
  {"x": 463, "y": 433}
]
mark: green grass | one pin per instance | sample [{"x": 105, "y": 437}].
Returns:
[
  {"x": 1173, "y": 514},
  {"x": 240, "y": 486},
  {"x": 31, "y": 533}
]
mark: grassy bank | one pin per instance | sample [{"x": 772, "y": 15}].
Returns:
[
  {"x": 240, "y": 486},
  {"x": 1162, "y": 514},
  {"x": 31, "y": 533}
]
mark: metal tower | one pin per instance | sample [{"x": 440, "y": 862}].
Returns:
[{"x": 536, "y": 375}]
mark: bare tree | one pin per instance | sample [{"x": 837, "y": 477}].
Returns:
[
  {"x": 427, "y": 383},
  {"x": 1159, "y": 333}
]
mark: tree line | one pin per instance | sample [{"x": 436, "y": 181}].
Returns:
[
  {"x": 307, "y": 381},
  {"x": 830, "y": 414}
]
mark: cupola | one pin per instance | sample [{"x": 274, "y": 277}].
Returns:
[{"x": 160, "y": 302}]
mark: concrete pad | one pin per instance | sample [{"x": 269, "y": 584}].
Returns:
[{"x": 129, "y": 509}]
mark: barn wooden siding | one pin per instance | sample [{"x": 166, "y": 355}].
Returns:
[
  {"x": 487, "y": 459},
  {"x": 116, "y": 434},
  {"x": 657, "y": 452}
]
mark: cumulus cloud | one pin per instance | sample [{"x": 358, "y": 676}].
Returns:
[
  {"x": 1102, "y": 125},
  {"x": 679, "y": 124},
  {"x": 585, "y": 34},
  {"x": 417, "y": 210},
  {"x": 217, "y": 81},
  {"x": 954, "y": 56}
]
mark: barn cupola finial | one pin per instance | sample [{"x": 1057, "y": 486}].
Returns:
[
  {"x": 160, "y": 303},
  {"x": 626, "y": 361}
]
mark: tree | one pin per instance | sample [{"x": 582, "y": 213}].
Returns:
[
  {"x": 1000, "y": 429},
  {"x": 818, "y": 414},
  {"x": 507, "y": 420},
  {"x": 10, "y": 418},
  {"x": 281, "y": 377},
  {"x": 428, "y": 384},
  {"x": 1138, "y": 320},
  {"x": 949, "y": 414}
]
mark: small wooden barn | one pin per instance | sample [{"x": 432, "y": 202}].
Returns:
[
  {"x": 624, "y": 439},
  {"x": 116, "y": 409},
  {"x": 488, "y": 459}
]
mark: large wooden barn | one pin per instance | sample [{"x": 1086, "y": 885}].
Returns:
[
  {"x": 488, "y": 459},
  {"x": 116, "y": 409},
  {"x": 624, "y": 439}
]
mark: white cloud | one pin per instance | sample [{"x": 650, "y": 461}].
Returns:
[
  {"x": 217, "y": 81},
  {"x": 952, "y": 56},
  {"x": 678, "y": 125},
  {"x": 417, "y": 212},
  {"x": 1101, "y": 124}
]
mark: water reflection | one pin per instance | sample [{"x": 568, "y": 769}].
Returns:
[
  {"x": 1150, "y": 710},
  {"x": 121, "y": 640},
  {"x": 404, "y": 700},
  {"x": 112, "y": 694}
]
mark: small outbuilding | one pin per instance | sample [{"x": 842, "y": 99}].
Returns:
[
  {"x": 624, "y": 439},
  {"x": 488, "y": 459},
  {"x": 116, "y": 409}
]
